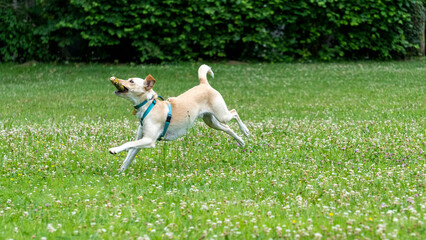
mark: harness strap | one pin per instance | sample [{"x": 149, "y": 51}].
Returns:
[
  {"x": 145, "y": 101},
  {"x": 148, "y": 110},
  {"x": 166, "y": 125},
  {"x": 141, "y": 104}
]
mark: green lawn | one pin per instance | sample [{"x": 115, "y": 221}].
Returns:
[{"x": 337, "y": 151}]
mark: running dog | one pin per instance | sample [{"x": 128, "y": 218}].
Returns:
[{"x": 169, "y": 120}]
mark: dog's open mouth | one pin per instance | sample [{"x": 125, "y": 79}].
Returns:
[{"x": 118, "y": 85}]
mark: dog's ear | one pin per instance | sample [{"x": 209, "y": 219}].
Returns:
[{"x": 149, "y": 82}]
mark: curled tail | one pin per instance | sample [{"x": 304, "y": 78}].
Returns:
[{"x": 202, "y": 73}]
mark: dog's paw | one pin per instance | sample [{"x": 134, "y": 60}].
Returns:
[
  {"x": 122, "y": 169},
  {"x": 114, "y": 150},
  {"x": 241, "y": 142},
  {"x": 247, "y": 133},
  {"x": 245, "y": 130}
]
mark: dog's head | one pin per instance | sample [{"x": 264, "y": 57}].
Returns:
[{"x": 133, "y": 89}]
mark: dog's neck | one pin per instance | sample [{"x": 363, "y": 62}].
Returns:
[
  {"x": 143, "y": 103},
  {"x": 145, "y": 97}
]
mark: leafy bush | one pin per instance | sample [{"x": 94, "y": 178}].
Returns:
[
  {"x": 415, "y": 34},
  {"x": 18, "y": 41},
  {"x": 280, "y": 30}
]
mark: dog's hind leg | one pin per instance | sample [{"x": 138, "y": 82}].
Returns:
[
  {"x": 212, "y": 122},
  {"x": 223, "y": 115},
  {"x": 243, "y": 127}
]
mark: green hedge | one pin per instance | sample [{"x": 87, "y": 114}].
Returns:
[
  {"x": 17, "y": 39},
  {"x": 174, "y": 30}
]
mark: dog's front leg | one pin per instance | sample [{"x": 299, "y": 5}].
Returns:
[
  {"x": 130, "y": 156},
  {"x": 132, "y": 152},
  {"x": 145, "y": 142},
  {"x": 123, "y": 147}
]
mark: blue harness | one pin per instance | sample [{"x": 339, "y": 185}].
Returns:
[{"x": 148, "y": 110}]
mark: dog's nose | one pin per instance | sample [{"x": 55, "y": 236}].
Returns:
[{"x": 112, "y": 78}]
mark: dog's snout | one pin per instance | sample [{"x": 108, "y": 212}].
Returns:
[{"x": 115, "y": 81}]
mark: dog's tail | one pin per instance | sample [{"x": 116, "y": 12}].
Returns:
[{"x": 202, "y": 73}]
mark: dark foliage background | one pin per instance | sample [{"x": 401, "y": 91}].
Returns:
[{"x": 178, "y": 30}]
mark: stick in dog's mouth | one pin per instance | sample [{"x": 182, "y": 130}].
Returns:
[{"x": 118, "y": 85}]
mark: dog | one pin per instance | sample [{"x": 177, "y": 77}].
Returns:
[{"x": 171, "y": 119}]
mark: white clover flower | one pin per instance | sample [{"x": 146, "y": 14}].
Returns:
[
  {"x": 317, "y": 236},
  {"x": 266, "y": 230},
  {"x": 145, "y": 237},
  {"x": 50, "y": 228},
  {"x": 357, "y": 230},
  {"x": 279, "y": 231},
  {"x": 169, "y": 235}
]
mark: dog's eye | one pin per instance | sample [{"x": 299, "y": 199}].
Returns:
[{"x": 131, "y": 81}]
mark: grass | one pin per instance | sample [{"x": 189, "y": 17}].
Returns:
[{"x": 337, "y": 151}]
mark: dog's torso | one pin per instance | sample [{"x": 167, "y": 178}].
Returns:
[{"x": 186, "y": 108}]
